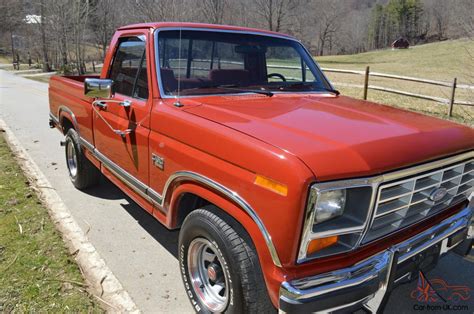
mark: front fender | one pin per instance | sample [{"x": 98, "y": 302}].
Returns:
[{"x": 273, "y": 275}]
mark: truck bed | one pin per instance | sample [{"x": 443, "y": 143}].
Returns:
[{"x": 66, "y": 98}]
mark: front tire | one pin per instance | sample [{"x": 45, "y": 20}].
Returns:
[
  {"x": 82, "y": 172},
  {"x": 219, "y": 265}
]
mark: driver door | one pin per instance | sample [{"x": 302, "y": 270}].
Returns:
[{"x": 121, "y": 124}]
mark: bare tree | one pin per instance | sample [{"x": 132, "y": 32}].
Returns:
[
  {"x": 328, "y": 18},
  {"x": 44, "y": 43},
  {"x": 276, "y": 13},
  {"x": 104, "y": 20},
  {"x": 463, "y": 11},
  {"x": 60, "y": 22},
  {"x": 163, "y": 10},
  {"x": 80, "y": 16},
  {"x": 65, "y": 28},
  {"x": 352, "y": 36},
  {"x": 439, "y": 16},
  {"x": 214, "y": 10},
  {"x": 465, "y": 19},
  {"x": 11, "y": 15}
]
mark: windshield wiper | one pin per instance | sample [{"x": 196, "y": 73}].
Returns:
[
  {"x": 295, "y": 85},
  {"x": 334, "y": 91},
  {"x": 304, "y": 84},
  {"x": 236, "y": 88}
]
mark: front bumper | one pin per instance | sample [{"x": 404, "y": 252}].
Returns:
[{"x": 365, "y": 284}]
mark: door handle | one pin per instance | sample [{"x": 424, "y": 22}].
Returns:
[
  {"x": 125, "y": 103},
  {"x": 102, "y": 104}
]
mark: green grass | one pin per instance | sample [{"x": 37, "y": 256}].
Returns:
[
  {"x": 5, "y": 59},
  {"x": 439, "y": 61},
  {"x": 43, "y": 79},
  {"x": 37, "y": 274}
]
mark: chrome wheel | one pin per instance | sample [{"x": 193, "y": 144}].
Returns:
[
  {"x": 71, "y": 158},
  {"x": 208, "y": 277}
]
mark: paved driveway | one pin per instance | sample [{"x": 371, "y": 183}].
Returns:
[{"x": 140, "y": 252}]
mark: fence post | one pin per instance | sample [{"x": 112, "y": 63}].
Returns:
[
  {"x": 366, "y": 81},
  {"x": 451, "y": 101}
]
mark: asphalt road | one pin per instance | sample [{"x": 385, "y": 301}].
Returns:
[{"x": 139, "y": 250}]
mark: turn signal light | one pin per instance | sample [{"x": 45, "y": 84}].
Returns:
[
  {"x": 271, "y": 185},
  {"x": 319, "y": 244}
]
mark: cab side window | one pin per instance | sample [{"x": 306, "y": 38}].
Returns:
[{"x": 129, "y": 68}]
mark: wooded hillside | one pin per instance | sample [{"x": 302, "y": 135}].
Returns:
[{"x": 64, "y": 34}]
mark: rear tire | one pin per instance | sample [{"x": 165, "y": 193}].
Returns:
[
  {"x": 82, "y": 172},
  {"x": 219, "y": 265}
]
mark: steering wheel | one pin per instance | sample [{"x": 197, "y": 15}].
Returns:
[{"x": 277, "y": 75}]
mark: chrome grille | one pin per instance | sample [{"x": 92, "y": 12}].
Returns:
[{"x": 405, "y": 202}]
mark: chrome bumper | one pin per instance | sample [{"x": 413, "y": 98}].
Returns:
[{"x": 365, "y": 284}]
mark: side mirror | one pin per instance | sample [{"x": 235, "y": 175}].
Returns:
[{"x": 98, "y": 88}]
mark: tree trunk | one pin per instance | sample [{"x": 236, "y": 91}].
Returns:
[
  {"x": 321, "y": 46},
  {"x": 46, "y": 67},
  {"x": 13, "y": 45},
  {"x": 270, "y": 15}
]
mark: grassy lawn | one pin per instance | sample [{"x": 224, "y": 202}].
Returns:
[
  {"x": 43, "y": 79},
  {"x": 5, "y": 59},
  {"x": 442, "y": 60},
  {"x": 37, "y": 274},
  {"x": 439, "y": 61}
]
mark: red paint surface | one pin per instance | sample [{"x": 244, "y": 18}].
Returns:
[{"x": 295, "y": 139}]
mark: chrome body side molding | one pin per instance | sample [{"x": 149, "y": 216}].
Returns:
[
  {"x": 157, "y": 199},
  {"x": 87, "y": 145},
  {"x": 155, "y": 196},
  {"x": 126, "y": 177},
  {"x": 139, "y": 187}
]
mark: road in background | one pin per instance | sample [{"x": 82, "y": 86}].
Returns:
[{"x": 138, "y": 249}]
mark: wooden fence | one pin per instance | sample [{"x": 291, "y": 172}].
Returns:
[{"x": 367, "y": 74}]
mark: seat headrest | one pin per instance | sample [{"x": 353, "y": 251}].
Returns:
[
  {"x": 170, "y": 83},
  {"x": 229, "y": 76}
]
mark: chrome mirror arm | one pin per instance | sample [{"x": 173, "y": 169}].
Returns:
[{"x": 102, "y": 104}]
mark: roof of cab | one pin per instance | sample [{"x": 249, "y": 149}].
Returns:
[{"x": 156, "y": 25}]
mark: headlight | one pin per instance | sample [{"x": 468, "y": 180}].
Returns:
[
  {"x": 329, "y": 204},
  {"x": 335, "y": 217}
]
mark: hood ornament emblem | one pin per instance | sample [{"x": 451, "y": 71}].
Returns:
[{"x": 438, "y": 194}]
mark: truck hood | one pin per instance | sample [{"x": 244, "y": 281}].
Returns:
[{"x": 338, "y": 137}]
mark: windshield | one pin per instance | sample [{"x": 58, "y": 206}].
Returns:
[{"x": 210, "y": 62}]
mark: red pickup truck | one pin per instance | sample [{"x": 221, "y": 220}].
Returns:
[{"x": 288, "y": 195}]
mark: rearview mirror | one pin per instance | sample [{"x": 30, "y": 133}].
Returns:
[
  {"x": 249, "y": 49},
  {"x": 98, "y": 88}
]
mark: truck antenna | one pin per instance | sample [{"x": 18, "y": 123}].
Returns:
[{"x": 178, "y": 103}]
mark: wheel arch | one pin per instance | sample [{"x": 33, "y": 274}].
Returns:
[
  {"x": 213, "y": 192},
  {"x": 67, "y": 119},
  {"x": 191, "y": 193}
]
